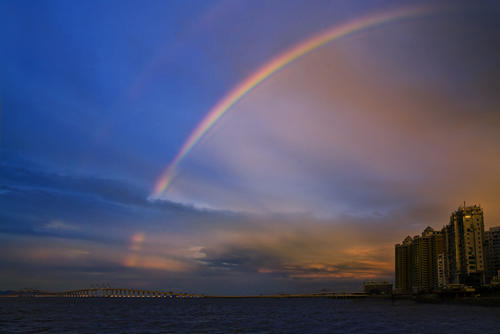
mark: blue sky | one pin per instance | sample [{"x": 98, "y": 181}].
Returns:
[{"x": 306, "y": 183}]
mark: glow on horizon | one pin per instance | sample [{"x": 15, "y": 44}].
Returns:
[{"x": 270, "y": 68}]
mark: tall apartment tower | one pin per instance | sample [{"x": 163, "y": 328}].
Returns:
[
  {"x": 404, "y": 266},
  {"x": 425, "y": 251},
  {"x": 463, "y": 242},
  {"x": 492, "y": 252},
  {"x": 417, "y": 262}
]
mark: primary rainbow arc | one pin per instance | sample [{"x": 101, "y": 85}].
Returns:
[{"x": 271, "y": 67}]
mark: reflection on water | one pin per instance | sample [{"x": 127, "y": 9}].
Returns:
[{"x": 310, "y": 315}]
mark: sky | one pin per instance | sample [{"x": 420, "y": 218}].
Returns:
[{"x": 304, "y": 183}]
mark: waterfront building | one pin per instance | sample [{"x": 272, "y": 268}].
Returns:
[
  {"x": 417, "y": 262},
  {"x": 462, "y": 253},
  {"x": 425, "y": 250},
  {"x": 404, "y": 266},
  {"x": 463, "y": 245},
  {"x": 492, "y": 253}
]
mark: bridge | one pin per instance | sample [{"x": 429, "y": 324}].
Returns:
[{"x": 124, "y": 293}]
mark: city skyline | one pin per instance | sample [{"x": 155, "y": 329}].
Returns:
[
  {"x": 462, "y": 253},
  {"x": 239, "y": 147}
]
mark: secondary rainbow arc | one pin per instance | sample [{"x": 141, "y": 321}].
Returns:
[{"x": 277, "y": 63}]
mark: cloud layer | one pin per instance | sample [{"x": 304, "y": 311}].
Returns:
[{"x": 144, "y": 243}]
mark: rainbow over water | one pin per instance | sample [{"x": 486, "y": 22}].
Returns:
[{"x": 273, "y": 66}]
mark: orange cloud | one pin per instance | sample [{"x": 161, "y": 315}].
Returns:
[
  {"x": 137, "y": 240},
  {"x": 154, "y": 262}
]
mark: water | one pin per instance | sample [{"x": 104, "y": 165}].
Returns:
[{"x": 308, "y": 315}]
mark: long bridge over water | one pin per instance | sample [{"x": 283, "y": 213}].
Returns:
[
  {"x": 124, "y": 293},
  {"x": 108, "y": 292}
]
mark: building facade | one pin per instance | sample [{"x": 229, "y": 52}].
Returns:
[
  {"x": 404, "y": 266},
  {"x": 463, "y": 245},
  {"x": 442, "y": 278},
  {"x": 492, "y": 252},
  {"x": 425, "y": 252},
  {"x": 461, "y": 253},
  {"x": 417, "y": 262}
]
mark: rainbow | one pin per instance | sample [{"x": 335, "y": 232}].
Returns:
[{"x": 273, "y": 66}]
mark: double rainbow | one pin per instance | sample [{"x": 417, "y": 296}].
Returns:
[{"x": 271, "y": 67}]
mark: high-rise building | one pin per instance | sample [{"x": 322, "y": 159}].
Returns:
[
  {"x": 425, "y": 250},
  {"x": 492, "y": 252},
  {"x": 461, "y": 253},
  {"x": 417, "y": 262},
  {"x": 463, "y": 243},
  {"x": 404, "y": 266}
]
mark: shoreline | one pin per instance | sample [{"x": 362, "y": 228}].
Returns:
[{"x": 488, "y": 301}]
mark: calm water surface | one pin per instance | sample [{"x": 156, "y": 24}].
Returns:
[{"x": 241, "y": 316}]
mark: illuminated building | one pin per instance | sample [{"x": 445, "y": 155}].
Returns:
[
  {"x": 461, "y": 253},
  {"x": 464, "y": 238}
]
